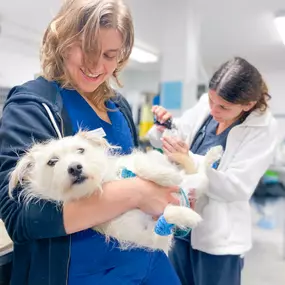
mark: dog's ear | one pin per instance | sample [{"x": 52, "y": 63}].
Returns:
[
  {"x": 94, "y": 138},
  {"x": 21, "y": 171}
]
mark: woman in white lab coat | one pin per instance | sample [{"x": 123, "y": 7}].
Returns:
[{"x": 233, "y": 114}]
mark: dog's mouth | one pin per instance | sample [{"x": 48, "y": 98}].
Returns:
[{"x": 79, "y": 179}]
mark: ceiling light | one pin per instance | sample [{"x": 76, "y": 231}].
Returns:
[
  {"x": 143, "y": 56},
  {"x": 279, "y": 22}
]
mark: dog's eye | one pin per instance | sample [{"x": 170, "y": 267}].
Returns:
[
  {"x": 81, "y": 150},
  {"x": 53, "y": 161}
]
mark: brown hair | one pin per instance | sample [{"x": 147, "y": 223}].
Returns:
[
  {"x": 239, "y": 82},
  {"x": 80, "y": 21}
]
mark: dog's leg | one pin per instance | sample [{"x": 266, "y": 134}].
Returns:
[
  {"x": 155, "y": 167},
  {"x": 182, "y": 217},
  {"x": 186, "y": 162},
  {"x": 162, "y": 242}
]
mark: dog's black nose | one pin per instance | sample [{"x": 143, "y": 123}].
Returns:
[{"x": 75, "y": 169}]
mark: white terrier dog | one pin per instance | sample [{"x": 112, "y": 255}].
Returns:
[{"x": 74, "y": 167}]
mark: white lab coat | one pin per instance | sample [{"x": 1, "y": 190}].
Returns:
[{"x": 225, "y": 209}]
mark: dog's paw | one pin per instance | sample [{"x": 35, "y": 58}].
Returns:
[
  {"x": 183, "y": 217},
  {"x": 192, "y": 219},
  {"x": 213, "y": 155}
]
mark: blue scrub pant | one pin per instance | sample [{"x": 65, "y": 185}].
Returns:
[
  {"x": 95, "y": 262},
  {"x": 195, "y": 267}
]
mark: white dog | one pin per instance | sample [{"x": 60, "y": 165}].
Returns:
[{"x": 73, "y": 167}]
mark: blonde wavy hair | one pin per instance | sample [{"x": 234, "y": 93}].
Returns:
[{"x": 79, "y": 21}]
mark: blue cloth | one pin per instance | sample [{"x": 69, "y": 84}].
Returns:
[
  {"x": 199, "y": 268},
  {"x": 93, "y": 261},
  {"x": 156, "y": 100},
  {"x": 83, "y": 116},
  {"x": 207, "y": 138}
]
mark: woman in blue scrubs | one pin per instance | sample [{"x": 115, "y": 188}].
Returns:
[{"x": 85, "y": 45}]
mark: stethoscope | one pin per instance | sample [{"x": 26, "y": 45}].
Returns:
[{"x": 201, "y": 134}]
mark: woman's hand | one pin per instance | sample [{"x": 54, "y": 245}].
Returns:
[
  {"x": 178, "y": 151},
  {"x": 154, "y": 198},
  {"x": 162, "y": 115},
  {"x": 172, "y": 146}
]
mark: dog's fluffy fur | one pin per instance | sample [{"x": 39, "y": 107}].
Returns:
[{"x": 73, "y": 167}]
